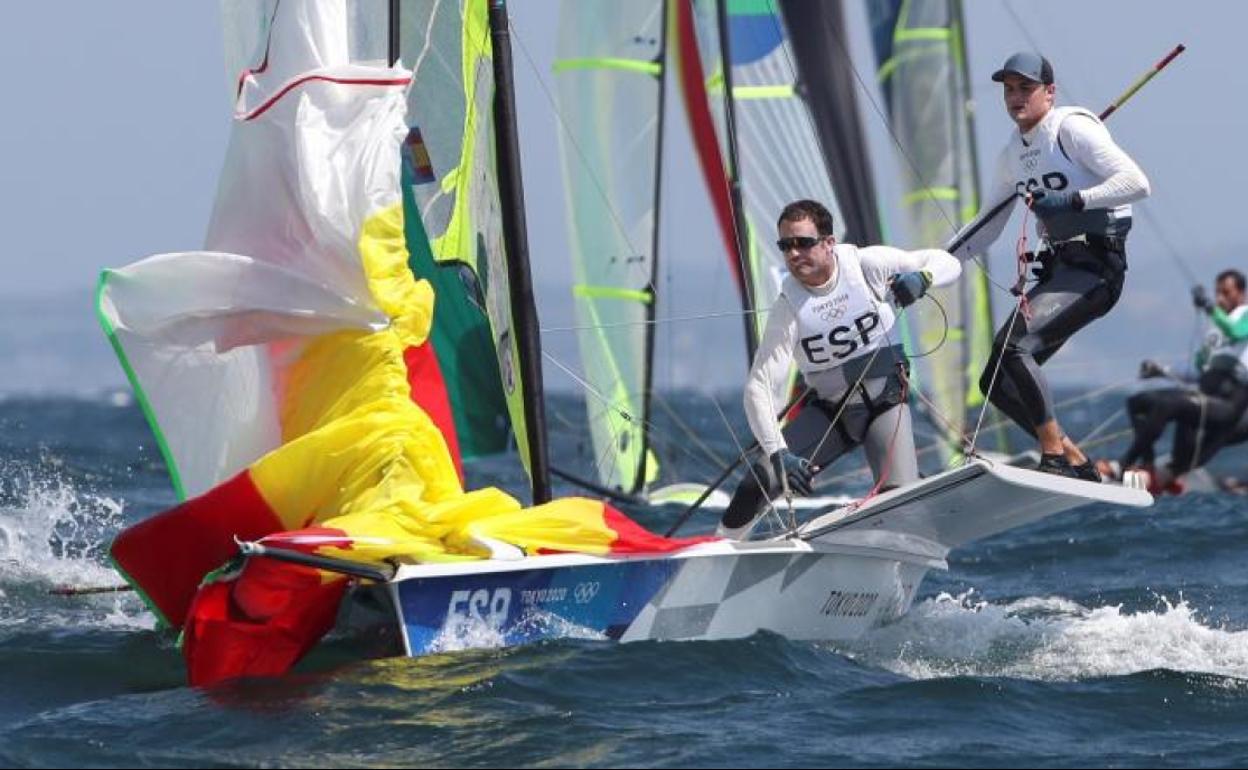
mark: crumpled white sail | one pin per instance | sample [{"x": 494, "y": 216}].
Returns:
[{"x": 205, "y": 335}]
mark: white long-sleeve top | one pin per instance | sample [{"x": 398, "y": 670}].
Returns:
[
  {"x": 1068, "y": 147},
  {"x": 794, "y": 321}
]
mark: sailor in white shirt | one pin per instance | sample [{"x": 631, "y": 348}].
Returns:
[
  {"x": 1079, "y": 184},
  {"x": 833, "y": 320}
]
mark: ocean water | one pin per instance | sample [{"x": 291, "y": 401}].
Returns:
[{"x": 1100, "y": 636}]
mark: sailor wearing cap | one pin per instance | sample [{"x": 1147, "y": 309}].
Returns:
[{"x": 1079, "y": 184}]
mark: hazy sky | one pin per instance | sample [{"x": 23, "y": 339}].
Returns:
[{"x": 118, "y": 118}]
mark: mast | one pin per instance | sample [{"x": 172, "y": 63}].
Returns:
[
  {"x": 515, "y": 236},
  {"x": 710, "y": 156},
  {"x": 393, "y": 37},
  {"x": 651, "y": 309},
  {"x": 748, "y": 300},
  {"x": 826, "y": 83}
]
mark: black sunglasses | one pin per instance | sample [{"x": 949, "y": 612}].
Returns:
[{"x": 802, "y": 242}]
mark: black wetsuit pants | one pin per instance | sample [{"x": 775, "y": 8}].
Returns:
[
  {"x": 1211, "y": 424},
  {"x": 1082, "y": 283},
  {"x": 876, "y": 417},
  {"x": 1150, "y": 411},
  {"x": 1205, "y": 420}
]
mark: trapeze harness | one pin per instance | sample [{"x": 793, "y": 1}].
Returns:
[{"x": 857, "y": 387}]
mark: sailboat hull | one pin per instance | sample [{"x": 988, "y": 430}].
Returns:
[
  {"x": 836, "y": 577},
  {"x": 716, "y": 591}
]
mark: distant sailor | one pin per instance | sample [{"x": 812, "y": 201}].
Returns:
[
  {"x": 833, "y": 318},
  {"x": 1207, "y": 418},
  {"x": 1078, "y": 183}
]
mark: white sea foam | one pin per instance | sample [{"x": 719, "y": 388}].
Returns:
[
  {"x": 52, "y": 534},
  {"x": 468, "y": 633},
  {"x": 1051, "y": 638}
]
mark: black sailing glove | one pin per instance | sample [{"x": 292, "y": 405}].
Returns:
[
  {"x": 1056, "y": 201},
  {"x": 796, "y": 469},
  {"x": 1201, "y": 300},
  {"x": 908, "y": 287}
]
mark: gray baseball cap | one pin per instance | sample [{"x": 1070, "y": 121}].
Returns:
[{"x": 1026, "y": 64}]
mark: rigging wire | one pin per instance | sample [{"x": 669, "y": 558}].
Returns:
[
  {"x": 824, "y": 482},
  {"x": 654, "y": 321},
  {"x": 1020, "y": 308},
  {"x": 944, "y": 333},
  {"x": 600, "y": 189},
  {"x": 1109, "y": 439},
  {"x": 690, "y": 432},
  {"x": 1113, "y": 418},
  {"x": 580, "y": 151},
  {"x": 742, "y": 452},
  {"x": 607, "y": 405}
]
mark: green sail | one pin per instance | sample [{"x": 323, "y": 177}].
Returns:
[
  {"x": 921, "y": 53},
  {"x": 609, "y": 81},
  {"x": 454, "y": 230}
]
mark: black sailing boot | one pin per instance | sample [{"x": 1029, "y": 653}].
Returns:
[
  {"x": 1087, "y": 471},
  {"x": 1058, "y": 465}
]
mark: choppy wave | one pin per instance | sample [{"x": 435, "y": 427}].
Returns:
[
  {"x": 1052, "y": 639},
  {"x": 1131, "y": 649}
]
